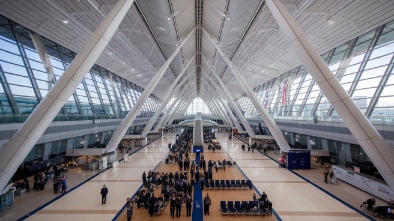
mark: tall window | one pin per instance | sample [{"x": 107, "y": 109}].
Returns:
[{"x": 198, "y": 105}]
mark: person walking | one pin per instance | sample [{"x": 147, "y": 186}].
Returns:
[
  {"x": 207, "y": 203},
  {"x": 104, "y": 192},
  {"x": 188, "y": 205},
  {"x": 325, "y": 175},
  {"x": 129, "y": 209}
]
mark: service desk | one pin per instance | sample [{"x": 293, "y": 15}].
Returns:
[{"x": 367, "y": 183}]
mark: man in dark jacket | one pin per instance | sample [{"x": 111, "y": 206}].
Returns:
[
  {"x": 104, "y": 192},
  {"x": 207, "y": 203},
  {"x": 172, "y": 205},
  {"x": 188, "y": 205}
]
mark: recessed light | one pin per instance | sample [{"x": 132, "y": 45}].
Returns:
[
  {"x": 168, "y": 18},
  {"x": 228, "y": 18},
  {"x": 65, "y": 21},
  {"x": 122, "y": 62},
  {"x": 110, "y": 53},
  {"x": 132, "y": 69},
  {"x": 139, "y": 75}
]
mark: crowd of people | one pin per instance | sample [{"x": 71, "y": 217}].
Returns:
[
  {"x": 57, "y": 174},
  {"x": 267, "y": 202},
  {"x": 381, "y": 211},
  {"x": 176, "y": 188}
]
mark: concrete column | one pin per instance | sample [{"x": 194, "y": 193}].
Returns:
[
  {"x": 274, "y": 129},
  {"x": 18, "y": 147},
  {"x": 169, "y": 95},
  {"x": 377, "y": 149},
  {"x": 130, "y": 117}
]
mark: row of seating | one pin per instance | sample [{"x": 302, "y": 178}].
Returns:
[
  {"x": 228, "y": 184},
  {"x": 247, "y": 208}
]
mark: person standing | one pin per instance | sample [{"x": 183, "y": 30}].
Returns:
[
  {"x": 151, "y": 205},
  {"x": 178, "y": 206},
  {"x": 207, "y": 203},
  {"x": 325, "y": 175},
  {"x": 64, "y": 185},
  {"x": 188, "y": 205},
  {"x": 104, "y": 192},
  {"x": 224, "y": 164},
  {"x": 172, "y": 205},
  {"x": 129, "y": 208}
]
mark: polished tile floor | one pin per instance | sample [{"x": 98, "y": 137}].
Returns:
[{"x": 292, "y": 197}]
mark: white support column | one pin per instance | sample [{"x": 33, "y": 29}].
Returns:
[
  {"x": 377, "y": 149},
  {"x": 220, "y": 110},
  {"x": 225, "y": 114},
  {"x": 215, "y": 94},
  {"x": 274, "y": 129},
  {"x": 227, "y": 93},
  {"x": 180, "y": 110},
  {"x": 169, "y": 95},
  {"x": 174, "y": 106},
  {"x": 18, "y": 147},
  {"x": 233, "y": 120},
  {"x": 130, "y": 117},
  {"x": 158, "y": 125},
  {"x": 186, "y": 97}
]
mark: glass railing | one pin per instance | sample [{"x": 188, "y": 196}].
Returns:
[
  {"x": 379, "y": 120},
  {"x": 20, "y": 118}
]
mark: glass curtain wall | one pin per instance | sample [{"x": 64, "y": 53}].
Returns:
[
  {"x": 25, "y": 81},
  {"x": 364, "y": 67}
]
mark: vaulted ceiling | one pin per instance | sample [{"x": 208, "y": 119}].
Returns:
[{"x": 244, "y": 29}]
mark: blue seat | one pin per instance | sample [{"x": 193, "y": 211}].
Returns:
[
  {"x": 253, "y": 206},
  {"x": 206, "y": 184},
  {"x": 223, "y": 207},
  {"x": 262, "y": 209},
  {"x": 228, "y": 184},
  {"x": 238, "y": 184},
  {"x": 230, "y": 207},
  {"x": 222, "y": 184},
  {"x": 212, "y": 184},
  {"x": 237, "y": 207},
  {"x": 249, "y": 184},
  {"x": 245, "y": 207},
  {"x": 217, "y": 184},
  {"x": 243, "y": 184},
  {"x": 233, "y": 184}
]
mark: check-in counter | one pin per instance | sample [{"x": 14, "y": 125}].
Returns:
[{"x": 367, "y": 183}]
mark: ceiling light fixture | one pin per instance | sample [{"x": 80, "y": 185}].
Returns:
[
  {"x": 132, "y": 69},
  {"x": 168, "y": 18},
  {"x": 228, "y": 18},
  {"x": 65, "y": 21},
  {"x": 122, "y": 62},
  {"x": 139, "y": 75},
  {"x": 110, "y": 53}
]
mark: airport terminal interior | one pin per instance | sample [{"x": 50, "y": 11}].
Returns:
[{"x": 196, "y": 110}]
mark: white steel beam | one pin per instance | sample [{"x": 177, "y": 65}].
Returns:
[
  {"x": 274, "y": 129},
  {"x": 18, "y": 147},
  {"x": 130, "y": 117},
  {"x": 378, "y": 150}
]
